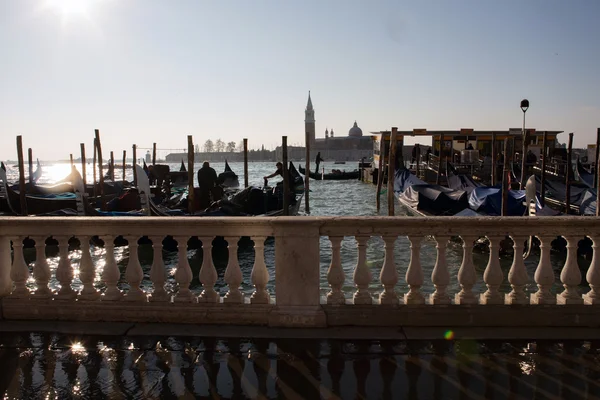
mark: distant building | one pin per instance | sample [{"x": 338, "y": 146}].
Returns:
[{"x": 341, "y": 148}]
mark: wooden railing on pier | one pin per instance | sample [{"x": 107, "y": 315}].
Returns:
[{"x": 389, "y": 299}]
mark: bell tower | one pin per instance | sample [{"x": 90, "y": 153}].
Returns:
[{"x": 309, "y": 121}]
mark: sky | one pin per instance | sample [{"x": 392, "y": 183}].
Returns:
[{"x": 145, "y": 71}]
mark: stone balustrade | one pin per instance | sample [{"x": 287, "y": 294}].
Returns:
[{"x": 396, "y": 297}]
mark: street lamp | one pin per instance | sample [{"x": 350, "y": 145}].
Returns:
[{"x": 524, "y": 108}]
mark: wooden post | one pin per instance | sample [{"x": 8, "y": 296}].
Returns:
[
  {"x": 391, "y": 171},
  {"x": 190, "y": 171},
  {"x": 100, "y": 173},
  {"x": 112, "y": 166},
  {"x": 494, "y": 161},
  {"x": 245, "y": 163},
  {"x": 286, "y": 178},
  {"x": 124, "y": 164},
  {"x": 22, "y": 189},
  {"x": 134, "y": 149},
  {"x": 525, "y": 138},
  {"x": 543, "y": 188},
  {"x": 71, "y": 159},
  {"x": 505, "y": 176},
  {"x": 30, "y": 162},
  {"x": 380, "y": 169},
  {"x": 596, "y": 174},
  {"x": 153, "y": 153},
  {"x": 83, "y": 165},
  {"x": 94, "y": 167},
  {"x": 307, "y": 175},
  {"x": 417, "y": 159},
  {"x": 568, "y": 174},
  {"x": 439, "y": 171}
]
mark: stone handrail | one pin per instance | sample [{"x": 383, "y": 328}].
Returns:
[{"x": 297, "y": 300}]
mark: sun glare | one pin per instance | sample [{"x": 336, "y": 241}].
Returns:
[{"x": 70, "y": 9}]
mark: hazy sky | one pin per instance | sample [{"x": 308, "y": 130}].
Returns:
[{"x": 145, "y": 71}]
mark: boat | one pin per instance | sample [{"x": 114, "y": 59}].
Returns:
[
  {"x": 36, "y": 204},
  {"x": 584, "y": 176},
  {"x": 332, "y": 176},
  {"x": 228, "y": 178}
]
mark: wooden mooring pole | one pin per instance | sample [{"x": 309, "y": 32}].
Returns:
[
  {"x": 494, "y": 160},
  {"x": 286, "y": 178},
  {"x": 596, "y": 174},
  {"x": 134, "y": 163},
  {"x": 111, "y": 167},
  {"x": 30, "y": 162},
  {"x": 83, "y": 165},
  {"x": 391, "y": 171},
  {"x": 94, "y": 167},
  {"x": 544, "y": 152},
  {"x": 71, "y": 159},
  {"x": 380, "y": 170},
  {"x": 153, "y": 153},
  {"x": 439, "y": 171},
  {"x": 124, "y": 164},
  {"x": 22, "y": 189},
  {"x": 190, "y": 174},
  {"x": 101, "y": 177},
  {"x": 569, "y": 175},
  {"x": 245, "y": 162},
  {"x": 505, "y": 179},
  {"x": 307, "y": 175}
]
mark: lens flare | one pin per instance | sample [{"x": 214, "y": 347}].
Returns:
[{"x": 449, "y": 335}]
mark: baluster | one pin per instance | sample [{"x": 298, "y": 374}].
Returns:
[
  {"x": 593, "y": 274},
  {"x": 111, "y": 273},
  {"x": 5, "y": 264},
  {"x": 544, "y": 275},
  {"x": 467, "y": 277},
  {"x": 233, "y": 273},
  {"x": 158, "y": 274},
  {"x": 260, "y": 274},
  {"x": 414, "y": 273},
  {"x": 335, "y": 274},
  {"x": 134, "y": 273},
  {"x": 183, "y": 275},
  {"x": 64, "y": 270},
  {"x": 570, "y": 275},
  {"x": 493, "y": 274},
  {"x": 517, "y": 276},
  {"x": 208, "y": 273},
  {"x": 440, "y": 277},
  {"x": 389, "y": 275},
  {"x": 87, "y": 272},
  {"x": 362, "y": 274},
  {"x": 19, "y": 272},
  {"x": 41, "y": 270}
]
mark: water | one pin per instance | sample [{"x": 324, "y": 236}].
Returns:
[
  {"x": 327, "y": 198},
  {"x": 55, "y": 366}
]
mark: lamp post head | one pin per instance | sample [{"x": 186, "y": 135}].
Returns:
[{"x": 524, "y": 105}]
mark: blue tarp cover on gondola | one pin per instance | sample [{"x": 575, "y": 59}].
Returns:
[
  {"x": 488, "y": 200},
  {"x": 435, "y": 199},
  {"x": 405, "y": 179},
  {"x": 588, "y": 203}
]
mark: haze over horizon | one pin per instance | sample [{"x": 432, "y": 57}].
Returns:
[{"x": 145, "y": 71}]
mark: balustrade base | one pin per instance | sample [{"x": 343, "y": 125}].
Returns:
[
  {"x": 122, "y": 311},
  {"x": 394, "y": 316},
  {"x": 567, "y": 300}
]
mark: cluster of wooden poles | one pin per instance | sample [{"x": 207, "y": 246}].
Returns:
[{"x": 99, "y": 180}]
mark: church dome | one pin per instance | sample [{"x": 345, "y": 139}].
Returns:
[{"x": 355, "y": 131}]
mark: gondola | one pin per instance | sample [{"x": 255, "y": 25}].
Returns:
[
  {"x": 228, "y": 178},
  {"x": 36, "y": 205},
  {"x": 333, "y": 176},
  {"x": 584, "y": 176}
]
